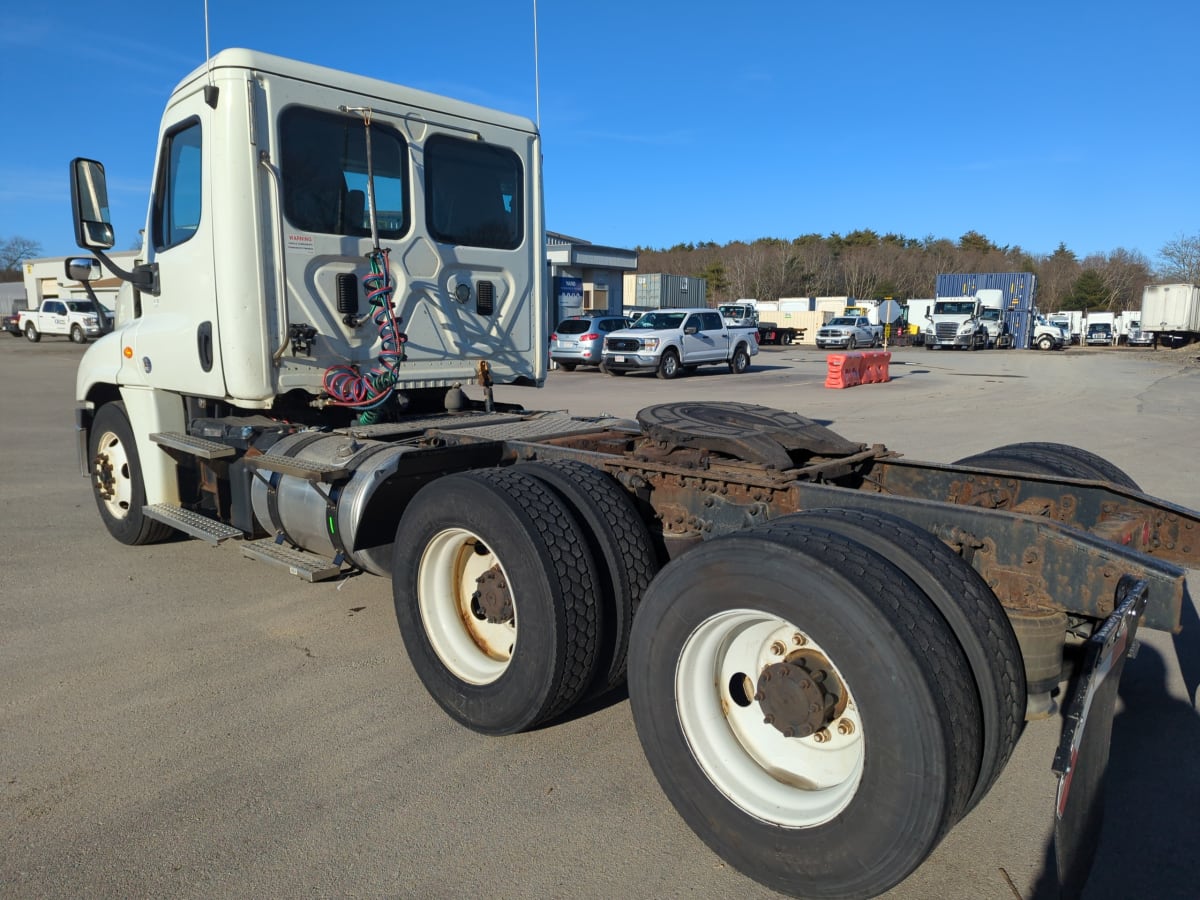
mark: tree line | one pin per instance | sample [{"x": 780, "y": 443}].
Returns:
[{"x": 867, "y": 265}]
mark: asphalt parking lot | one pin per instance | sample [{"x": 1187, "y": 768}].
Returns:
[{"x": 179, "y": 721}]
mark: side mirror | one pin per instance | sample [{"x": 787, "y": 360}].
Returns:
[
  {"x": 691, "y": 329},
  {"x": 82, "y": 268},
  {"x": 89, "y": 205}
]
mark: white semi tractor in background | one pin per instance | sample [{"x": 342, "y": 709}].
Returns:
[
  {"x": 339, "y": 274},
  {"x": 977, "y": 322}
]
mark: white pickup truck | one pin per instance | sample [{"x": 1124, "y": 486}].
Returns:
[
  {"x": 849, "y": 332},
  {"x": 670, "y": 341},
  {"x": 74, "y": 318}
]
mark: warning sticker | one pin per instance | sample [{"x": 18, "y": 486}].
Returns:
[{"x": 301, "y": 243}]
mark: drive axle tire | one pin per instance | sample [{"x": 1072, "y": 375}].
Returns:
[
  {"x": 740, "y": 650},
  {"x": 495, "y": 598},
  {"x": 117, "y": 481},
  {"x": 32, "y": 333},
  {"x": 740, "y": 361},
  {"x": 969, "y": 607},
  {"x": 1046, "y": 458},
  {"x": 621, "y": 546}
]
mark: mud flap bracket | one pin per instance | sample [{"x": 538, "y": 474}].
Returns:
[{"x": 1082, "y": 757}]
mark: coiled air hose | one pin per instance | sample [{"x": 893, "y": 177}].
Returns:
[{"x": 368, "y": 391}]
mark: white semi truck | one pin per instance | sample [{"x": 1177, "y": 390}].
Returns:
[{"x": 338, "y": 276}]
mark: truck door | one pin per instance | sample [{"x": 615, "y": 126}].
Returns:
[
  {"x": 177, "y": 341},
  {"x": 54, "y": 318},
  {"x": 697, "y": 347}
]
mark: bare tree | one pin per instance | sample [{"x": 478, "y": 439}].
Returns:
[
  {"x": 1057, "y": 274},
  {"x": 1180, "y": 260},
  {"x": 13, "y": 252},
  {"x": 1123, "y": 273}
]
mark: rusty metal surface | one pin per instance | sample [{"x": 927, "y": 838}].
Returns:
[
  {"x": 1039, "y": 542},
  {"x": 1115, "y": 514}
]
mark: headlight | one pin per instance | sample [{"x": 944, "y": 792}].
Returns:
[
  {"x": 90, "y": 320},
  {"x": 649, "y": 343}
]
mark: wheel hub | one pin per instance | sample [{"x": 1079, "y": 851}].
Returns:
[
  {"x": 798, "y": 696},
  {"x": 492, "y": 601},
  {"x": 103, "y": 470}
]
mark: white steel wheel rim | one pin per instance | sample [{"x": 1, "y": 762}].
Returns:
[
  {"x": 115, "y": 491},
  {"x": 790, "y": 782},
  {"x": 473, "y": 649}
]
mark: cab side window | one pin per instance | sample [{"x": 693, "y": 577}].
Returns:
[
  {"x": 712, "y": 321},
  {"x": 178, "y": 190}
]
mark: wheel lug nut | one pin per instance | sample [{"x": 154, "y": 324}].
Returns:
[
  {"x": 798, "y": 639},
  {"x": 845, "y": 726},
  {"x": 822, "y": 736},
  {"x": 778, "y": 648}
]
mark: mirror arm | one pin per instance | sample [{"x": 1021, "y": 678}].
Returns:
[{"x": 143, "y": 277}]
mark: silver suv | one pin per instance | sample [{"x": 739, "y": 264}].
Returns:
[{"x": 579, "y": 340}]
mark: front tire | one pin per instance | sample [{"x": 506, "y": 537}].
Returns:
[
  {"x": 738, "y": 652},
  {"x": 851, "y": 344},
  {"x": 32, "y": 333},
  {"x": 77, "y": 335},
  {"x": 1045, "y": 343},
  {"x": 495, "y": 599},
  {"x": 668, "y": 365},
  {"x": 117, "y": 481}
]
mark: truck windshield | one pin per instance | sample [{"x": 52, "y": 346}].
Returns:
[
  {"x": 660, "y": 320},
  {"x": 735, "y": 312},
  {"x": 954, "y": 308},
  {"x": 843, "y": 320},
  {"x": 82, "y": 306}
]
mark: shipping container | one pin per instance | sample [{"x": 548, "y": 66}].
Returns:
[
  {"x": 797, "y": 304},
  {"x": 1019, "y": 289},
  {"x": 659, "y": 291}
]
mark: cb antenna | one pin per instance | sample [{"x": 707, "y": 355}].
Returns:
[
  {"x": 210, "y": 89},
  {"x": 537, "y": 84}
]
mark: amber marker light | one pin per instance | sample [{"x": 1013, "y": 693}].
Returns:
[{"x": 128, "y": 352}]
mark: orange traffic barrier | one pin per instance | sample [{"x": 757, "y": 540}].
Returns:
[
  {"x": 844, "y": 370},
  {"x": 875, "y": 367}
]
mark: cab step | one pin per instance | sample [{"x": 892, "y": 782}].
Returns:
[
  {"x": 195, "y": 446},
  {"x": 309, "y": 566},
  {"x": 191, "y": 523},
  {"x": 298, "y": 468}
]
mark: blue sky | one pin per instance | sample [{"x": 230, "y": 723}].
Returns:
[{"x": 670, "y": 122}]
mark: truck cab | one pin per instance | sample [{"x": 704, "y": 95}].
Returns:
[
  {"x": 956, "y": 323},
  {"x": 256, "y": 282},
  {"x": 1100, "y": 334}
]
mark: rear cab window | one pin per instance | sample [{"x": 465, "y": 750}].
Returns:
[{"x": 473, "y": 193}]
